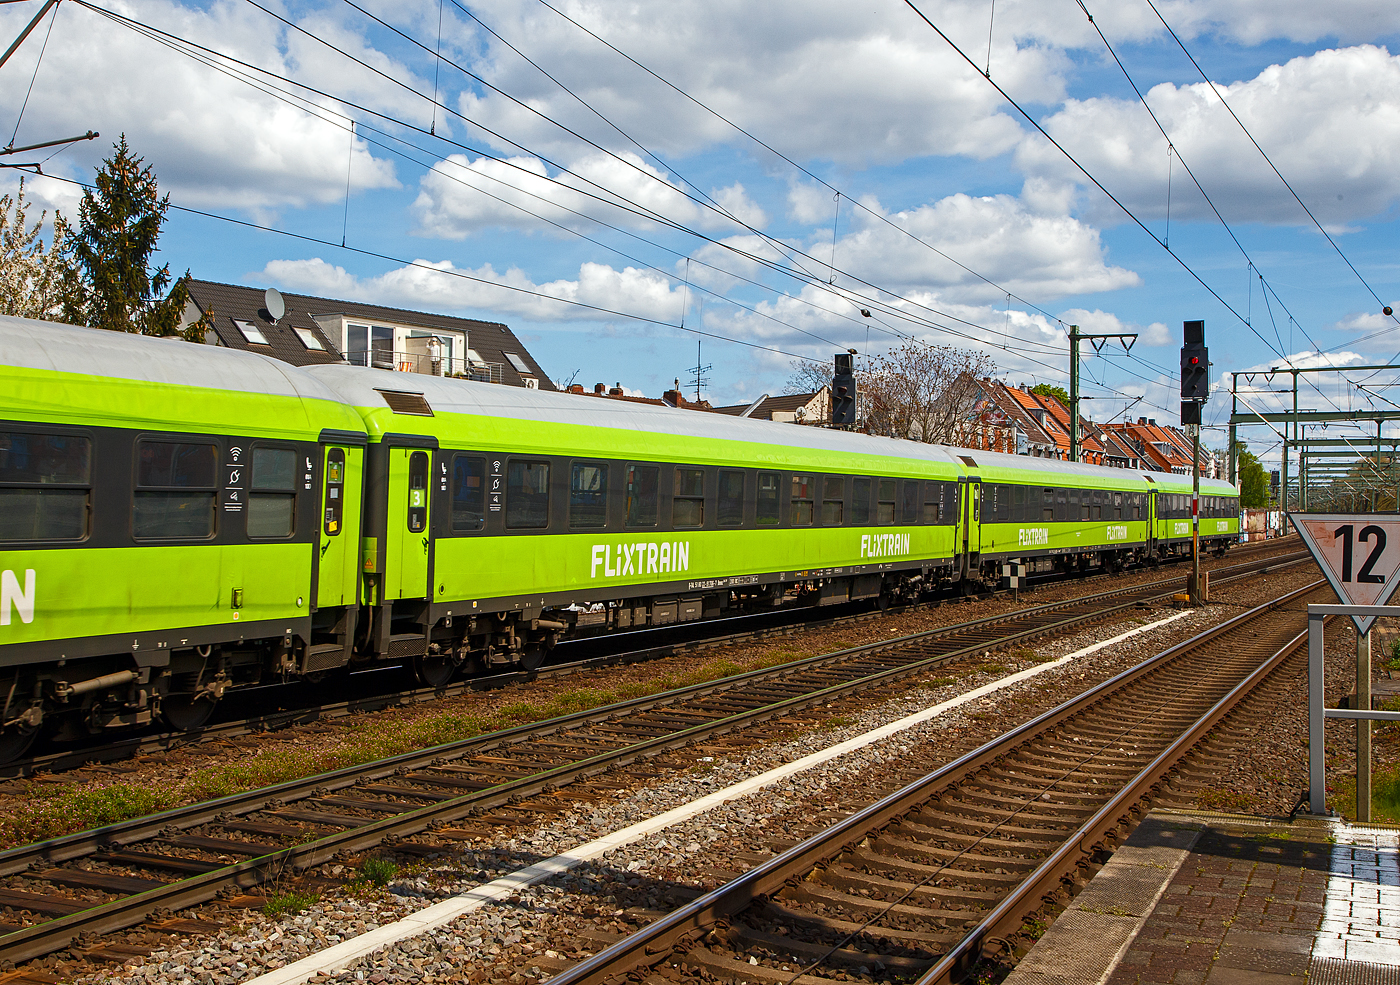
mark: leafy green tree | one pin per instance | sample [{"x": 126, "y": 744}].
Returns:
[
  {"x": 1254, "y": 481},
  {"x": 33, "y": 277},
  {"x": 118, "y": 226},
  {"x": 1047, "y": 390}
]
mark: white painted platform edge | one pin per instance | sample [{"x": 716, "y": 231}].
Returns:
[{"x": 445, "y": 911}]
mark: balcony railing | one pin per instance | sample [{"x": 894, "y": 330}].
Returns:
[{"x": 424, "y": 364}]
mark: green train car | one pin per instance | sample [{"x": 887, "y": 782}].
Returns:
[{"x": 178, "y": 520}]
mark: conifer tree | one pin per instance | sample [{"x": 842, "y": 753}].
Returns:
[{"x": 118, "y": 226}]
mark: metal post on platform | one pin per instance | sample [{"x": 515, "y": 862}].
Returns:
[
  {"x": 1363, "y": 727},
  {"x": 1317, "y": 733},
  {"x": 1195, "y": 592}
]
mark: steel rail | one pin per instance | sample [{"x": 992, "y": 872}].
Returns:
[
  {"x": 690, "y": 923},
  {"x": 127, "y": 747},
  {"x": 1011, "y": 912},
  {"x": 51, "y": 935}
]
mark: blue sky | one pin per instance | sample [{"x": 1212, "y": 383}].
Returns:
[{"x": 866, "y": 98}]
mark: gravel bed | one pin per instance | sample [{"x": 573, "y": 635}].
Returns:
[
  {"x": 547, "y": 927},
  {"x": 184, "y": 775}
]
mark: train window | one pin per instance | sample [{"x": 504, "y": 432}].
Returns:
[
  {"x": 1099, "y": 497},
  {"x": 833, "y": 500},
  {"x": 910, "y": 512},
  {"x": 1084, "y": 504},
  {"x": 468, "y": 492},
  {"x": 885, "y": 507},
  {"x": 334, "y": 500},
  {"x": 272, "y": 494},
  {"x": 175, "y": 489},
  {"x": 1061, "y": 504},
  {"x": 34, "y": 471},
  {"x": 1003, "y": 504},
  {"x": 731, "y": 498},
  {"x": 802, "y": 493},
  {"x": 643, "y": 485},
  {"x": 860, "y": 499},
  {"x": 933, "y": 495},
  {"x": 1018, "y": 503},
  {"x": 767, "y": 497},
  {"x": 588, "y": 495},
  {"x": 1118, "y": 506},
  {"x": 688, "y": 506},
  {"x": 418, "y": 492},
  {"x": 1047, "y": 504},
  {"x": 527, "y": 495}
]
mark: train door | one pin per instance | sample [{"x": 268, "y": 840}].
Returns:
[
  {"x": 1151, "y": 513},
  {"x": 337, "y": 575},
  {"x": 972, "y": 522},
  {"x": 407, "y": 539}
]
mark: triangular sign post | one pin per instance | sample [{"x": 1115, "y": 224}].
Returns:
[{"x": 1358, "y": 552}]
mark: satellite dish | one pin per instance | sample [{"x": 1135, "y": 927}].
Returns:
[{"x": 272, "y": 300}]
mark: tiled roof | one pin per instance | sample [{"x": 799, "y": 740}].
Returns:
[
  {"x": 787, "y": 402},
  {"x": 230, "y": 303}
]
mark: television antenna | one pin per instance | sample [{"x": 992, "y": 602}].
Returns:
[{"x": 699, "y": 374}]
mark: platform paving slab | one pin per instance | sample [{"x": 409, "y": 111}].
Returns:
[{"x": 1223, "y": 899}]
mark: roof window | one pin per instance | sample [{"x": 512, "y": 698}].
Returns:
[
  {"x": 309, "y": 339},
  {"x": 251, "y": 332},
  {"x": 520, "y": 365}
]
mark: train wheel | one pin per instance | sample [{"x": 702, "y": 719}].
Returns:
[
  {"x": 187, "y": 712},
  {"x": 434, "y": 670},
  {"x": 15, "y": 742},
  {"x": 532, "y": 655}
]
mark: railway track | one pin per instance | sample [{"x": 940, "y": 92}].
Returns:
[
  {"x": 95, "y": 882},
  {"x": 919, "y": 885},
  {"x": 656, "y": 644}
]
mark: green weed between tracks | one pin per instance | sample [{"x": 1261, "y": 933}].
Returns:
[{"x": 50, "y": 813}]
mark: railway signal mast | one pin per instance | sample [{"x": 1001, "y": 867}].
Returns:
[
  {"x": 1195, "y": 391},
  {"x": 843, "y": 390}
]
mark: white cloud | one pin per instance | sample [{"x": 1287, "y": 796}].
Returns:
[
  {"x": 1328, "y": 121},
  {"x": 1252, "y": 22},
  {"x": 1035, "y": 255},
  {"x": 211, "y": 139},
  {"x": 441, "y": 286},
  {"x": 460, "y": 196},
  {"x": 847, "y": 83}
]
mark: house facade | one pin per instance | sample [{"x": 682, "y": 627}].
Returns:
[{"x": 320, "y": 330}]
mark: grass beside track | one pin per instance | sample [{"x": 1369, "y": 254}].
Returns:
[{"x": 50, "y": 813}]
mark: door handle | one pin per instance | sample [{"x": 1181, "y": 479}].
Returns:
[{"x": 425, "y": 545}]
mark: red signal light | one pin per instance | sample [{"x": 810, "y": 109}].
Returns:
[{"x": 1195, "y": 360}]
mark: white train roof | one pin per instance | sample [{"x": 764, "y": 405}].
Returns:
[
  {"x": 61, "y": 348},
  {"x": 361, "y": 387}
]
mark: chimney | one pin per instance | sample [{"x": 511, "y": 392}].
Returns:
[
  {"x": 1142, "y": 422},
  {"x": 576, "y": 388},
  {"x": 616, "y": 391},
  {"x": 674, "y": 397},
  {"x": 1152, "y": 422},
  {"x": 599, "y": 389}
]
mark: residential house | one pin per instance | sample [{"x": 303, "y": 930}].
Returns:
[
  {"x": 794, "y": 408},
  {"x": 322, "y": 330}
]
